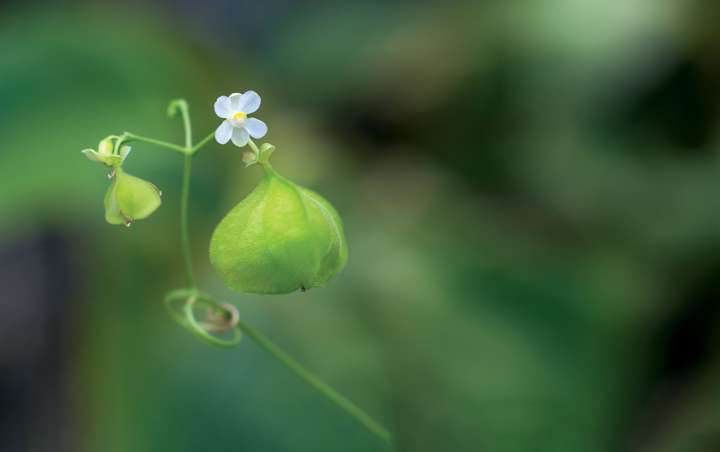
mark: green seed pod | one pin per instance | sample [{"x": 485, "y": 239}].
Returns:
[
  {"x": 130, "y": 198},
  {"x": 280, "y": 238}
]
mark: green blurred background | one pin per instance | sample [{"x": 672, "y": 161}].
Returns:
[{"x": 529, "y": 191}]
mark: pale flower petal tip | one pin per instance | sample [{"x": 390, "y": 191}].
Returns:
[
  {"x": 237, "y": 125},
  {"x": 223, "y": 132},
  {"x": 125, "y": 151},
  {"x": 249, "y": 102},
  {"x": 240, "y": 137},
  {"x": 256, "y": 128},
  {"x": 222, "y": 107},
  {"x": 91, "y": 155}
]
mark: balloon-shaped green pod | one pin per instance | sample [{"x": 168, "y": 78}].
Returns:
[
  {"x": 130, "y": 198},
  {"x": 280, "y": 238}
]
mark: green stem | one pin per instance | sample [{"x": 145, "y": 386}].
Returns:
[
  {"x": 323, "y": 388},
  {"x": 182, "y": 106},
  {"x": 317, "y": 384},
  {"x": 187, "y": 126},
  {"x": 184, "y": 229},
  {"x": 254, "y": 147},
  {"x": 128, "y": 137},
  {"x": 202, "y": 143}
]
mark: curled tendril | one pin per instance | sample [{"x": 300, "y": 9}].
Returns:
[
  {"x": 219, "y": 318},
  {"x": 219, "y": 323},
  {"x": 176, "y": 106}
]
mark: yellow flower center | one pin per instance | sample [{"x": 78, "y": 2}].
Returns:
[{"x": 239, "y": 116}]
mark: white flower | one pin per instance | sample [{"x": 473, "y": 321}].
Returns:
[{"x": 234, "y": 109}]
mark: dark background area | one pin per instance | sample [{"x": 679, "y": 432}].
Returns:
[{"x": 529, "y": 192}]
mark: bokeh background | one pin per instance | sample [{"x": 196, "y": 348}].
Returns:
[{"x": 530, "y": 195}]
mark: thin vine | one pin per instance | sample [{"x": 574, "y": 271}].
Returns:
[{"x": 130, "y": 198}]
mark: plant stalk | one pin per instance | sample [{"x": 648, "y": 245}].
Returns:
[
  {"x": 323, "y": 388},
  {"x": 184, "y": 228},
  {"x": 266, "y": 344}
]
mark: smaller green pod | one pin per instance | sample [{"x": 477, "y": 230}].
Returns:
[
  {"x": 130, "y": 198},
  {"x": 280, "y": 238}
]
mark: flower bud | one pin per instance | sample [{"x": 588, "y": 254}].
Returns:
[
  {"x": 280, "y": 238},
  {"x": 105, "y": 155},
  {"x": 105, "y": 147},
  {"x": 130, "y": 198}
]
